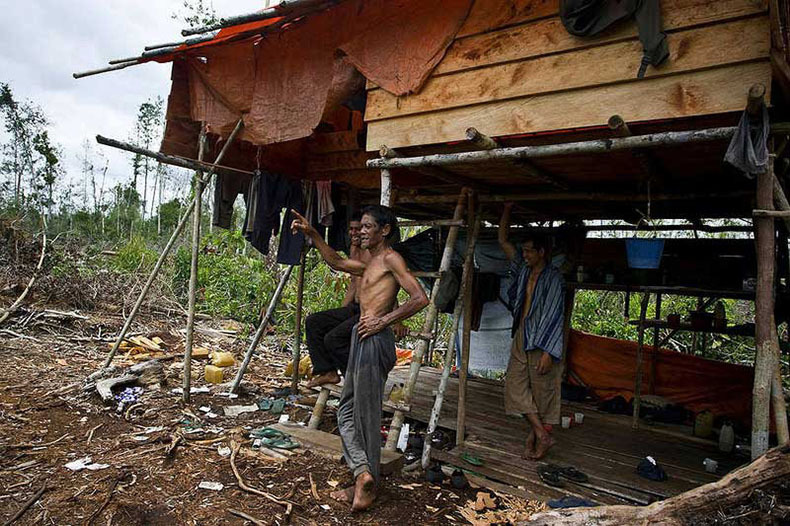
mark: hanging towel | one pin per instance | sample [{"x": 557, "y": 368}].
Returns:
[{"x": 748, "y": 149}]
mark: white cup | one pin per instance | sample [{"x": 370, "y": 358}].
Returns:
[
  {"x": 578, "y": 418},
  {"x": 710, "y": 465},
  {"x": 566, "y": 422}
]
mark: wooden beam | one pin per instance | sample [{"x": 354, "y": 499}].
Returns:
[
  {"x": 551, "y": 150},
  {"x": 535, "y": 38},
  {"x": 765, "y": 326},
  {"x": 706, "y": 92},
  {"x": 256, "y": 339},
  {"x": 471, "y": 240},
  {"x": 639, "y": 349},
  {"x": 692, "y": 50},
  {"x": 575, "y": 196},
  {"x": 385, "y": 152},
  {"x": 484, "y": 142},
  {"x": 781, "y": 214},
  {"x": 172, "y": 160},
  {"x": 193, "y": 268},
  {"x": 297, "y": 338}
]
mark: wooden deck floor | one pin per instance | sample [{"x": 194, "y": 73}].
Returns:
[{"x": 605, "y": 446}]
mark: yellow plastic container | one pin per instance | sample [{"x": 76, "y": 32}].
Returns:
[
  {"x": 214, "y": 374},
  {"x": 222, "y": 359},
  {"x": 703, "y": 424}
]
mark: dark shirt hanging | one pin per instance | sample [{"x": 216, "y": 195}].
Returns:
[
  {"x": 227, "y": 188},
  {"x": 590, "y": 17}
]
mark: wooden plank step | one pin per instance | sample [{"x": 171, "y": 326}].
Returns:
[{"x": 330, "y": 444}]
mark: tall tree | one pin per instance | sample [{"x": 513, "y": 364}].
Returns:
[
  {"x": 147, "y": 131},
  {"x": 23, "y": 121}
]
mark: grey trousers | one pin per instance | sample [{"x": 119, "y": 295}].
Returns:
[{"x": 359, "y": 412}]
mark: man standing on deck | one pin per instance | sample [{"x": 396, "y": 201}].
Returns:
[
  {"x": 534, "y": 372},
  {"x": 372, "y": 343}
]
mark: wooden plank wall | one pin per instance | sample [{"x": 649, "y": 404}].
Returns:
[{"x": 519, "y": 71}]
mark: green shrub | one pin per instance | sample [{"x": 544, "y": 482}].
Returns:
[{"x": 134, "y": 257}]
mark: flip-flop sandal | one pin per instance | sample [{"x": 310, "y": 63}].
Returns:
[
  {"x": 267, "y": 432},
  {"x": 277, "y": 406},
  {"x": 471, "y": 459},
  {"x": 550, "y": 477},
  {"x": 280, "y": 443},
  {"x": 573, "y": 474}
]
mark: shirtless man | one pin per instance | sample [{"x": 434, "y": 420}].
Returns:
[
  {"x": 532, "y": 381},
  {"x": 372, "y": 344}
]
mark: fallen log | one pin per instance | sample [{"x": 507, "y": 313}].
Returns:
[{"x": 734, "y": 488}]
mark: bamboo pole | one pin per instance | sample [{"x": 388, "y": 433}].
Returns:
[
  {"x": 298, "y": 324},
  {"x": 765, "y": 327},
  {"x": 449, "y": 355},
  {"x": 576, "y": 196},
  {"x": 281, "y": 9},
  {"x": 318, "y": 409},
  {"x": 651, "y": 379},
  {"x": 778, "y": 400},
  {"x": 193, "y": 268},
  {"x": 386, "y": 188},
  {"x": 639, "y": 349},
  {"x": 173, "y": 160},
  {"x": 261, "y": 328},
  {"x": 181, "y": 224},
  {"x": 471, "y": 241},
  {"x": 430, "y": 316},
  {"x": 549, "y": 150},
  {"x": 114, "y": 67}
]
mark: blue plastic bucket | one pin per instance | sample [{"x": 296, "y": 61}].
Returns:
[{"x": 644, "y": 253}]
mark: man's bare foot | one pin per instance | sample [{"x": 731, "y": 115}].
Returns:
[
  {"x": 543, "y": 445},
  {"x": 529, "y": 449},
  {"x": 326, "y": 378},
  {"x": 364, "y": 493},
  {"x": 343, "y": 495}
]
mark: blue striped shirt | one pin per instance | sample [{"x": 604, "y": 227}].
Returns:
[{"x": 544, "y": 322}]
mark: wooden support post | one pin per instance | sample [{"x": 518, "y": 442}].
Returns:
[
  {"x": 567, "y": 323},
  {"x": 765, "y": 326},
  {"x": 386, "y": 187},
  {"x": 318, "y": 409},
  {"x": 430, "y": 316},
  {"x": 466, "y": 337},
  {"x": 449, "y": 355},
  {"x": 651, "y": 379},
  {"x": 261, "y": 328},
  {"x": 177, "y": 232},
  {"x": 297, "y": 345},
  {"x": 193, "y": 268},
  {"x": 639, "y": 349}
]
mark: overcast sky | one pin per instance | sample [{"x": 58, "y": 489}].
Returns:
[{"x": 44, "y": 41}]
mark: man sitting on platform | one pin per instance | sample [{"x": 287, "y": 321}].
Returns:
[
  {"x": 534, "y": 372},
  {"x": 372, "y": 354},
  {"x": 329, "y": 332}
]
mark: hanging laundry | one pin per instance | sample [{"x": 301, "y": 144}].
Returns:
[
  {"x": 590, "y": 17},
  {"x": 325, "y": 206},
  {"x": 273, "y": 193},
  {"x": 748, "y": 149},
  {"x": 226, "y": 189}
]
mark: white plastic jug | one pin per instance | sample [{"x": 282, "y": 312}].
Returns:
[{"x": 726, "y": 438}]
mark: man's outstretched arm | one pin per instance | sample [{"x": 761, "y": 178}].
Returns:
[
  {"x": 332, "y": 258},
  {"x": 502, "y": 233},
  {"x": 370, "y": 325}
]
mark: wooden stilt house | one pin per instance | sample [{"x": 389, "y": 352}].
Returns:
[{"x": 444, "y": 109}]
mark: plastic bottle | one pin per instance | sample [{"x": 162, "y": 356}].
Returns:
[{"x": 727, "y": 438}]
